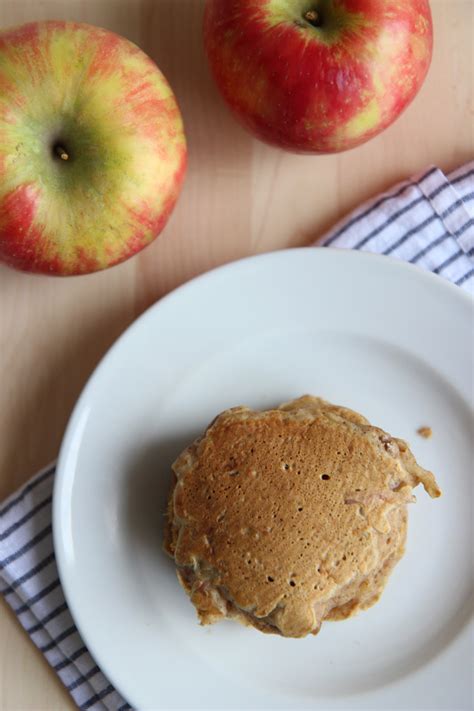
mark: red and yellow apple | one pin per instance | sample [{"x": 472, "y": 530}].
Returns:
[
  {"x": 92, "y": 148},
  {"x": 318, "y": 76}
]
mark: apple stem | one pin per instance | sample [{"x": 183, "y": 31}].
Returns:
[
  {"x": 312, "y": 17},
  {"x": 61, "y": 153}
]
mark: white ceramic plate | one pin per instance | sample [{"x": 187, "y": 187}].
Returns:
[{"x": 360, "y": 330}]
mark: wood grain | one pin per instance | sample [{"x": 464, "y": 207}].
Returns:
[{"x": 240, "y": 197}]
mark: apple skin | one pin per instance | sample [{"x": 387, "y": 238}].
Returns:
[
  {"x": 318, "y": 89},
  {"x": 92, "y": 96}
]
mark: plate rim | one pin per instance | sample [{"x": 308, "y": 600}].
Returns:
[{"x": 61, "y": 474}]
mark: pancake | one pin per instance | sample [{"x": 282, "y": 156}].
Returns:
[{"x": 285, "y": 518}]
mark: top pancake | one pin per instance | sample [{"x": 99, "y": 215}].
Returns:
[{"x": 283, "y": 509}]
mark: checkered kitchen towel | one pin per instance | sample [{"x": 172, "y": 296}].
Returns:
[{"x": 428, "y": 221}]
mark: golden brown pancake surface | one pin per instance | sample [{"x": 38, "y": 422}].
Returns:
[{"x": 287, "y": 517}]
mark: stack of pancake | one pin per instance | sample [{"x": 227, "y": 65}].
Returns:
[{"x": 285, "y": 518}]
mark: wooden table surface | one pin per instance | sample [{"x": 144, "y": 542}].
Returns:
[{"x": 240, "y": 197}]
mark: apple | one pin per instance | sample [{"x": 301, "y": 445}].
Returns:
[
  {"x": 92, "y": 148},
  {"x": 318, "y": 76}
]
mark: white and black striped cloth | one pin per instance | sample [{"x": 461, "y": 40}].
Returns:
[
  {"x": 428, "y": 221},
  {"x": 31, "y": 587}
]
